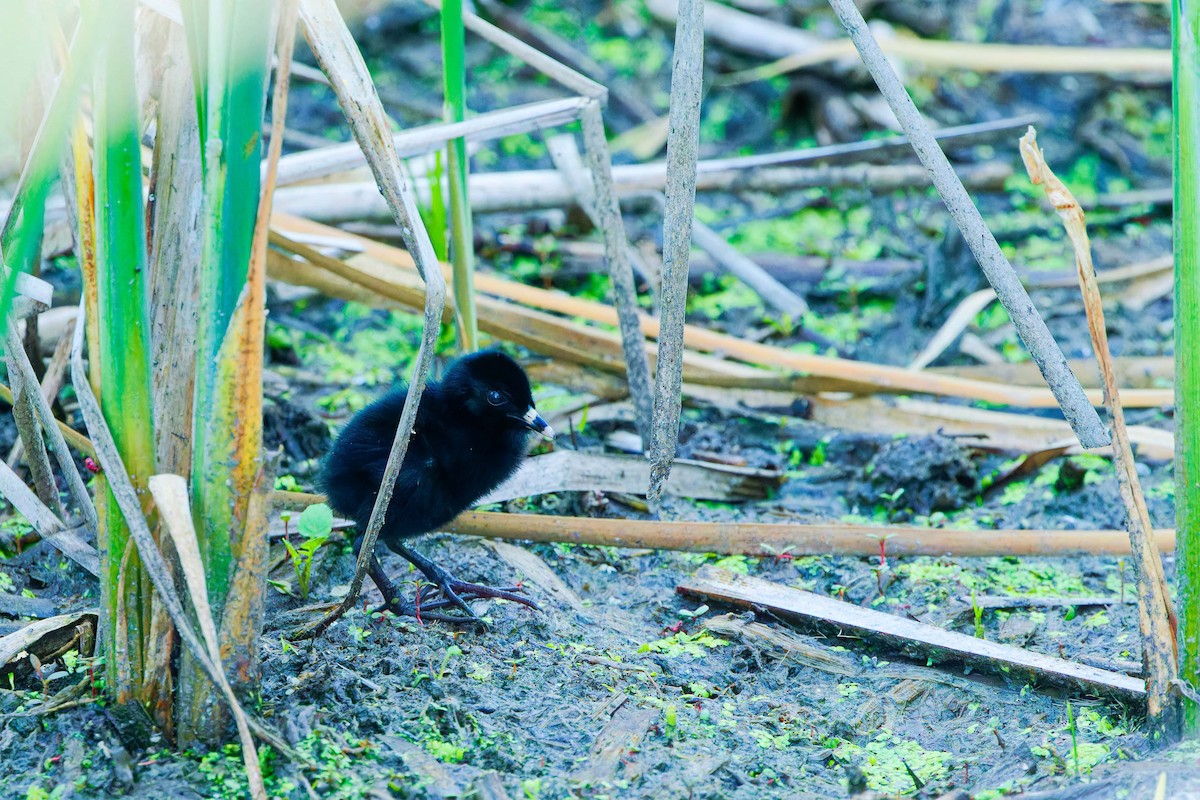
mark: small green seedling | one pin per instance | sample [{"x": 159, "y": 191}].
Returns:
[
  {"x": 978, "y": 609},
  {"x": 453, "y": 651},
  {"x": 315, "y": 525},
  {"x": 670, "y": 720},
  {"x": 818, "y": 454}
]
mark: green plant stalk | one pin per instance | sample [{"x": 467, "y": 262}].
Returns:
[
  {"x": 435, "y": 216},
  {"x": 1185, "y": 26},
  {"x": 298, "y": 568},
  {"x": 235, "y": 54},
  {"x": 302, "y": 561},
  {"x": 235, "y": 95},
  {"x": 124, "y": 346},
  {"x": 462, "y": 237}
]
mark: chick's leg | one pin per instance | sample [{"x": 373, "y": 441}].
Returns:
[
  {"x": 394, "y": 601},
  {"x": 454, "y": 591}
]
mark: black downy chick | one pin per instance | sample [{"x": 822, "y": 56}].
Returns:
[{"x": 471, "y": 433}]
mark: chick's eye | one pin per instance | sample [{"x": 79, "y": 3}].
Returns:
[{"x": 495, "y": 398}]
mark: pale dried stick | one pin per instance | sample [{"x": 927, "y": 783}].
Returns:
[{"x": 683, "y": 143}]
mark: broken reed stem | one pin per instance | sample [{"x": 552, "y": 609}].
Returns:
[
  {"x": 1000, "y": 274},
  {"x": 339, "y": 57},
  {"x": 1156, "y": 616},
  {"x": 21, "y": 369},
  {"x": 836, "y": 374},
  {"x": 772, "y": 539},
  {"x": 531, "y": 56},
  {"x": 25, "y": 386},
  {"x": 53, "y": 379},
  {"x": 683, "y": 143},
  {"x": 790, "y": 540}
]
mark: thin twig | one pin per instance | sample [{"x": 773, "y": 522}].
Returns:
[
  {"x": 619, "y": 269},
  {"x": 527, "y": 190},
  {"x": 963, "y": 315},
  {"x": 565, "y": 155},
  {"x": 744, "y": 268},
  {"x": 1000, "y": 274}
]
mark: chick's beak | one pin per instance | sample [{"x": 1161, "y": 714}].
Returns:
[{"x": 538, "y": 425}]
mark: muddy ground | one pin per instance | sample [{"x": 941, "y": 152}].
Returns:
[{"x": 621, "y": 688}]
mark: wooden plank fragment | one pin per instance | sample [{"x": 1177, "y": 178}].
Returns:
[
  {"x": 15, "y": 605},
  {"x": 801, "y": 649},
  {"x": 622, "y": 735},
  {"x": 911, "y": 637},
  {"x": 574, "y": 471},
  {"x": 47, "y": 637},
  {"x": 440, "y": 779}
]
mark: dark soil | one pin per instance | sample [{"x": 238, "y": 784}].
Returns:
[{"x": 620, "y": 690}]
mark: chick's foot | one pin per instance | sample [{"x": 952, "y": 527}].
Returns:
[{"x": 445, "y": 591}]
